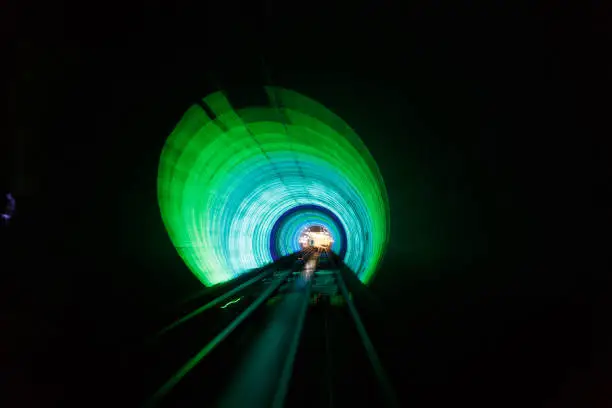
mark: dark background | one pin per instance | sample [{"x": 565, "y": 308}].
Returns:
[{"x": 487, "y": 122}]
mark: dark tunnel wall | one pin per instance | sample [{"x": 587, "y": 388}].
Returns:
[{"x": 479, "y": 131}]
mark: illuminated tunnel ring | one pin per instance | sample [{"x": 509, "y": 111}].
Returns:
[
  {"x": 284, "y": 238},
  {"x": 237, "y": 186}
]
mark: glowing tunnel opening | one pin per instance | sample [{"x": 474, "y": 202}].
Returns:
[
  {"x": 316, "y": 236},
  {"x": 238, "y": 187}
]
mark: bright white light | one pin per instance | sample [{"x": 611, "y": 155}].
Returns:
[{"x": 317, "y": 239}]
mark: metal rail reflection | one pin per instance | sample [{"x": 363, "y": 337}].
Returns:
[{"x": 178, "y": 376}]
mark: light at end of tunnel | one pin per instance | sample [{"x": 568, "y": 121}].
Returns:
[
  {"x": 316, "y": 236},
  {"x": 237, "y": 186}
]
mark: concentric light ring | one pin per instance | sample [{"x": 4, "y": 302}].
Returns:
[{"x": 236, "y": 189}]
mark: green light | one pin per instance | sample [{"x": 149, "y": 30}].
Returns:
[{"x": 224, "y": 181}]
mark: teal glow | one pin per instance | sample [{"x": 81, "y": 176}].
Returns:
[
  {"x": 224, "y": 181},
  {"x": 290, "y": 231}
]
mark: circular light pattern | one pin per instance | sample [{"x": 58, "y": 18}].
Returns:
[
  {"x": 237, "y": 186},
  {"x": 285, "y": 236}
]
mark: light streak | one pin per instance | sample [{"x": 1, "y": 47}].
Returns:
[{"x": 231, "y": 302}]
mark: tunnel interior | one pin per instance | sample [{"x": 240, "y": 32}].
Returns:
[
  {"x": 237, "y": 187},
  {"x": 316, "y": 236},
  {"x": 292, "y": 225}
]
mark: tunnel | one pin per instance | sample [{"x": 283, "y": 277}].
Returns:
[{"x": 238, "y": 185}]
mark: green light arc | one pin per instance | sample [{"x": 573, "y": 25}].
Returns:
[{"x": 224, "y": 181}]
